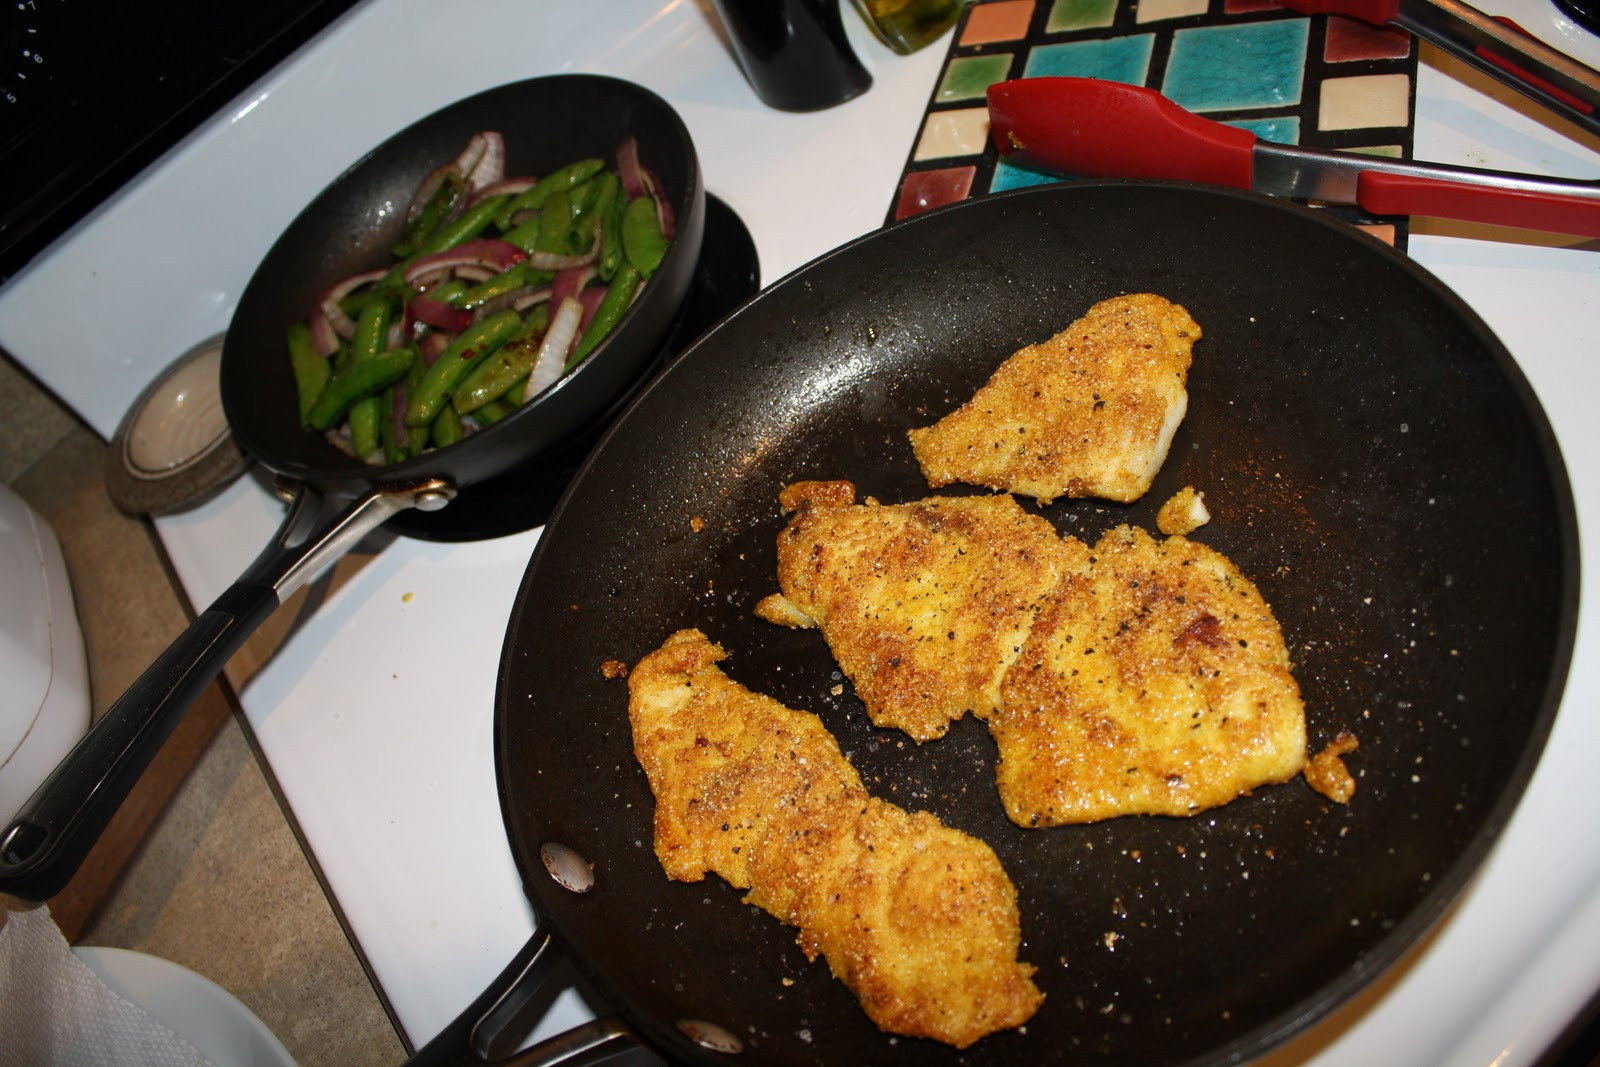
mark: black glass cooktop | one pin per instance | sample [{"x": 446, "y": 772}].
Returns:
[{"x": 92, "y": 91}]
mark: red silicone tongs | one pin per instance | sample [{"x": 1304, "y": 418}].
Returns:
[
  {"x": 1496, "y": 46},
  {"x": 1088, "y": 128}
]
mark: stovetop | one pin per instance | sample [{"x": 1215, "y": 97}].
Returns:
[{"x": 93, "y": 91}]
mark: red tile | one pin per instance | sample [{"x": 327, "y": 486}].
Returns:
[
  {"x": 923, "y": 190},
  {"x": 1242, "y": 7},
  {"x": 1349, "y": 40}
]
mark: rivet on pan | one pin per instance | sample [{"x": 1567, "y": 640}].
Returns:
[
  {"x": 710, "y": 1036},
  {"x": 433, "y": 499},
  {"x": 570, "y": 870}
]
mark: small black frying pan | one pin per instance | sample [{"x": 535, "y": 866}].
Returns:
[
  {"x": 547, "y": 122},
  {"x": 1372, "y": 458}
]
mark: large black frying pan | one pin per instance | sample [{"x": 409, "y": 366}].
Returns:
[
  {"x": 546, "y": 122},
  {"x": 1372, "y": 458}
]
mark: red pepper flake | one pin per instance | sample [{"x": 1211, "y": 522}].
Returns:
[{"x": 469, "y": 353}]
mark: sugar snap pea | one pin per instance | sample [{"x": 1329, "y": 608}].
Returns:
[
  {"x": 533, "y": 198},
  {"x": 388, "y": 434},
  {"x": 590, "y": 224},
  {"x": 438, "y": 208},
  {"x": 491, "y": 378},
  {"x": 372, "y": 331},
  {"x": 508, "y": 364},
  {"x": 364, "y": 417},
  {"x": 357, "y": 381},
  {"x": 642, "y": 240},
  {"x": 446, "y": 428},
  {"x": 619, "y": 294},
  {"x": 465, "y": 369},
  {"x": 469, "y": 224},
  {"x": 508, "y": 281},
  {"x": 495, "y": 410},
  {"x": 555, "y": 223},
  {"x": 453, "y": 364},
  {"x": 311, "y": 368}
]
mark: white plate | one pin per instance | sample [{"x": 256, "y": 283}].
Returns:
[{"x": 195, "y": 1008}]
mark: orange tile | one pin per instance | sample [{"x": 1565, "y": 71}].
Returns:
[{"x": 1000, "y": 20}]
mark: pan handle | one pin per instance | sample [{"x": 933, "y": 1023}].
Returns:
[
  {"x": 48, "y": 839},
  {"x": 473, "y": 1037}
]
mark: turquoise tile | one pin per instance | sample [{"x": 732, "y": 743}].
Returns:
[
  {"x": 1283, "y": 130},
  {"x": 1118, "y": 59},
  {"x": 1009, "y": 175},
  {"x": 1256, "y": 64}
]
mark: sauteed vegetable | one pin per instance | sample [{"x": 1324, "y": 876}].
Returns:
[{"x": 500, "y": 286}]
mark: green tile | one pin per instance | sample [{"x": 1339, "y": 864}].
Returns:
[
  {"x": 1068, "y": 15},
  {"x": 969, "y": 77}
]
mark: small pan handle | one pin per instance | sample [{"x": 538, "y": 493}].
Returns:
[
  {"x": 48, "y": 839},
  {"x": 473, "y": 1037}
]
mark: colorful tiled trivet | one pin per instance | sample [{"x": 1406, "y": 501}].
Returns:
[{"x": 1321, "y": 81}]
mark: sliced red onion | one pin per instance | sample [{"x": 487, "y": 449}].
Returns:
[
  {"x": 518, "y": 299},
  {"x": 552, "y": 261},
  {"x": 590, "y": 299},
  {"x": 473, "y": 272},
  {"x": 506, "y": 186},
  {"x": 339, "y": 437},
  {"x": 537, "y": 296},
  {"x": 664, "y": 212},
  {"x": 629, "y": 170},
  {"x": 558, "y": 341},
  {"x": 471, "y": 155},
  {"x": 425, "y": 191},
  {"x": 329, "y": 302},
  {"x": 639, "y": 180},
  {"x": 433, "y": 345},
  {"x": 488, "y": 253},
  {"x": 570, "y": 282},
  {"x": 491, "y": 163},
  {"x": 438, "y": 313},
  {"x": 323, "y": 335}
]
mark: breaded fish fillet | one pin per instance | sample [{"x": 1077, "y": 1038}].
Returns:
[
  {"x": 925, "y": 604},
  {"x": 918, "y": 920},
  {"x": 1160, "y": 684},
  {"x": 1089, "y": 413}
]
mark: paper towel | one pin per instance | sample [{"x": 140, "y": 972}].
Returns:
[{"x": 54, "y": 1010}]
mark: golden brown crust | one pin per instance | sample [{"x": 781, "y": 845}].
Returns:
[
  {"x": 917, "y": 919},
  {"x": 1088, "y": 413},
  {"x": 1183, "y": 513},
  {"x": 1158, "y": 684},
  {"x": 923, "y": 604},
  {"x": 1326, "y": 772}
]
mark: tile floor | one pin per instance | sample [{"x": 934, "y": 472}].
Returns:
[{"x": 202, "y": 867}]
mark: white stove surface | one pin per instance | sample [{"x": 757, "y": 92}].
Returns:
[{"x": 388, "y": 767}]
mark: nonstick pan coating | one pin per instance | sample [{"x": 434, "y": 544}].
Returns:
[{"x": 1372, "y": 459}]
